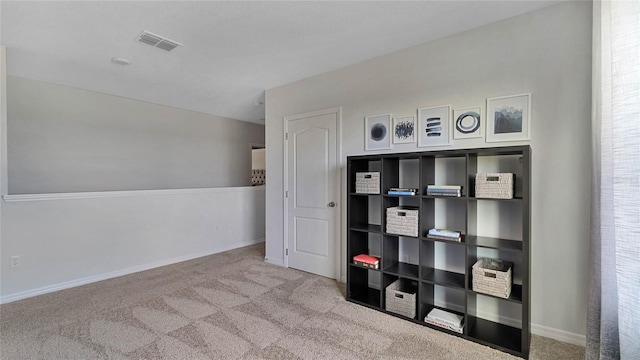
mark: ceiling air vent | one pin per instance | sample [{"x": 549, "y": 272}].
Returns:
[{"x": 158, "y": 41}]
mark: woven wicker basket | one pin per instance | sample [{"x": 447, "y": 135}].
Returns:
[
  {"x": 495, "y": 185},
  {"x": 400, "y": 298},
  {"x": 402, "y": 221},
  {"x": 368, "y": 182},
  {"x": 488, "y": 280}
]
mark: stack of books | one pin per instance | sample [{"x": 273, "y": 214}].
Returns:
[
  {"x": 403, "y": 191},
  {"x": 367, "y": 261},
  {"x": 445, "y": 319},
  {"x": 444, "y": 190},
  {"x": 444, "y": 234}
]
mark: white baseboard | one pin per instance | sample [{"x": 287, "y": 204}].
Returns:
[
  {"x": 113, "y": 274},
  {"x": 536, "y": 329},
  {"x": 560, "y": 335}
]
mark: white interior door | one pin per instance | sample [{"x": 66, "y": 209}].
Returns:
[{"x": 312, "y": 192}]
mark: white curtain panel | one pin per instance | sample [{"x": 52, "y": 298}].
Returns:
[{"x": 614, "y": 304}]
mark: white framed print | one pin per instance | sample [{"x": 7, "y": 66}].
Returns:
[
  {"x": 467, "y": 123},
  {"x": 508, "y": 118},
  {"x": 377, "y": 130},
  {"x": 404, "y": 129},
  {"x": 433, "y": 126}
]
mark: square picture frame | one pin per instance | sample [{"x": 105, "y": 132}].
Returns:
[
  {"x": 508, "y": 118},
  {"x": 433, "y": 126},
  {"x": 404, "y": 129},
  {"x": 377, "y": 132},
  {"x": 467, "y": 123}
]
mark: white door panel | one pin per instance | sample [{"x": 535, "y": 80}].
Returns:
[
  {"x": 310, "y": 165},
  {"x": 310, "y": 236},
  {"x": 312, "y": 185}
]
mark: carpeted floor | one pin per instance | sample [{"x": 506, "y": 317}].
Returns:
[{"x": 226, "y": 306}]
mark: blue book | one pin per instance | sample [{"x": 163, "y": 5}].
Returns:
[{"x": 406, "y": 193}]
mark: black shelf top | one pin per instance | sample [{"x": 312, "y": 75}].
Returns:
[
  {"x": 443, "y": 278},
  {"x": 402, "y": 156},
  {"x": 365, "y": 157},
  {"x": 495, "y": 334},
  {"x": 363, "y": 194},
  {"x": 516, "y": 293},
  {"x": 366, "y": 227},
  {"x": 494, "y": 243},
  {"x": 489, "y": 151},
  {"x": 404, "y": 270}
]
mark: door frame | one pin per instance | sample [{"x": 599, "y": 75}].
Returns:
[{"x": 338, "y": 184}]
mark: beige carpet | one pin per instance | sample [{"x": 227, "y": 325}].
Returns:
[{"x": 226, "y": 306}]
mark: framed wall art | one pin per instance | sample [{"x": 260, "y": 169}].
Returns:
[
  {"x": 377, "y": 132},
  {"x": 467, "y": 123},
  {"x": 404, "y": 129},
  {"x": 433, "y": 126},
  {"x": 508, "y": 118}
]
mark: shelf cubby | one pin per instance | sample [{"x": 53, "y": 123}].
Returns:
[
  {"x": 442, "y": 269},
  {"x": 364, "y": 243},
  {"x": 364, "y": 212},
  {"x": 504, "y": 328},
  {"x": 364, "y": 286},
  {"x": 397, "y": 259},
  {"x": 435, "y": 296},
  {"x": 504, "y": 337},
  {"x": 442, "y": 263}
]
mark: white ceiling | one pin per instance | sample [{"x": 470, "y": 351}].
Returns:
[{"x": 233, "y": 51}]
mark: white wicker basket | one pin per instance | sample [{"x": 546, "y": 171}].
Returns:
[
  {"x": 400, "y": 298},
  {"x": 368, "y": 182},
  {"x": 402, "y": 221},
  {"x": 492, "y": 277},
  {"x": 495, "y": 185}
]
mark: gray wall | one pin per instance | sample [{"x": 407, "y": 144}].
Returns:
[
  {"x": 63, "y": 139},
  {"x": 547, "y": 53}
]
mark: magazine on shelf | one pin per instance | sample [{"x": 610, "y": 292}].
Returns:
[
  {"x": 444, "y": 325},
  {"x": 444, "y": 232},
  {"x": 445, "y": 319},
  {"x": 447, "y": 238}
]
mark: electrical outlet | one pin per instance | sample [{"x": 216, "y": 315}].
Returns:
[{"x": 15, "y": 261}]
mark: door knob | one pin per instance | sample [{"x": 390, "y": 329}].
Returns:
[{"x": 331, "y": 204}]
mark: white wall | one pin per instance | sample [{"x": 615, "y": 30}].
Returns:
[
  {"x": 258, "y": 159},
  {"x": 3, "y": 136},
  {"x": 66, "y": 144},
  {"x": 66, "y": 240},
  {"x": 63, "y": 139},
  {"x": 547, "y": 53}
]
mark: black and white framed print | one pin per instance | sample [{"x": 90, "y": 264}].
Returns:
[
  {"x": 433, "y": 126},
  {"x": 467, "y": 123},
  {"x": 404, "y": 129},
  {"x": 377, "y": 132},
  {"x": 508, "y": 118}
]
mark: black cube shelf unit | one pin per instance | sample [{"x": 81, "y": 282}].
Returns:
[{"x": 441, "y": 269}]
